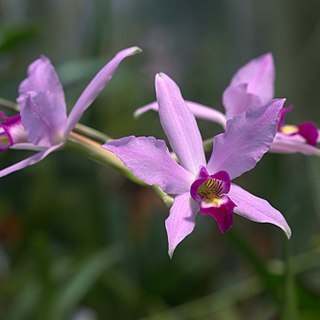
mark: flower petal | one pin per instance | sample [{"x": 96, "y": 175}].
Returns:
[
  {"x": 292, "y": 144},
  {"x": 41, "y": 77},
  {"x": 44, "y": 118},
  {"x": 257, "y": 209},
  {"x": 96, "y": 86},
  {"x": 259, "y": 74},
  {"x": 282, "y": 115},
  {"x": 237, "y": 99},
  {"x": 247, "y": 138},
  {"x": 29, "y": 161},
  {"x": 199, "y": 111},
  {"x": 223, "y": 213},
  {"x": 179, "y": 124},
  {"x": 150, "y": 106},
  {"x": 149, "y": 159},
  {"x": 181, "y": 220}
]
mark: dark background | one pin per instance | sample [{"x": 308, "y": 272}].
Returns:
[{"x": 79, "y": 241}]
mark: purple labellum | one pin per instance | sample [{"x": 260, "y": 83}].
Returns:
[
  {"x": 309, "y": 132},
  {"x": 11, "y": 131},
  {"x": 306, "y": 130},
  {"x": 210, "y": 192}
]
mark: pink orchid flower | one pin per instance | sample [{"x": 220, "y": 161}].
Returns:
[
  {"x": 252, "y": 86},
  {"x": 43, "y": 124},
  {"x": 196, "y": 184}
]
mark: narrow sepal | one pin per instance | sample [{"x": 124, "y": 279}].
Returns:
[
  {"x": 96, "y": 85},
  {"x": 179, "y": 124},
  {"x": 257, "y": 209},
  {"x": 181, "y": 220}
]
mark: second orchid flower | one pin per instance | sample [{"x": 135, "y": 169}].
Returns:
[{"x": 253, "y": 86}]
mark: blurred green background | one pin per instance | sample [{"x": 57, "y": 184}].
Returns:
[{"x": 78, "y": 241}]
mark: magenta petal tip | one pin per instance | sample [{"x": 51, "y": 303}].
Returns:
[{"x": 310, "y": 132}]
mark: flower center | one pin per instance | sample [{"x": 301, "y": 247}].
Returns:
[
  {"x": 211, "y": 191},
  {"x": 306, "y": 130},
  {"x": 289, "y": 129}
]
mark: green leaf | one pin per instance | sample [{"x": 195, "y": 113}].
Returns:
[{"x": 91, "y": 269}]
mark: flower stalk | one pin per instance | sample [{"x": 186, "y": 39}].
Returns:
[{"x": 93, "y": 151}]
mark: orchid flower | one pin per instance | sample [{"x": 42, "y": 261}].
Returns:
[
  {"x": 196, "y": 184},
  {"x": 252, "y": 86},
  {"x": 43, "y": 124}
]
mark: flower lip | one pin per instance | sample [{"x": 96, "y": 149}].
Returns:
[
  {"x": 222, "y": 212},
  {"x": 210, "y": 192},
  {"x": 12, "y": 131},
  {"x": 310, "y": 132},
  {"x": 306, "y": 130},
  {"x": 210, "y": 188}
]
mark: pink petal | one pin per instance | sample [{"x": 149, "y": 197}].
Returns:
[
  {"x": 199, "y": 111},
  {"x": 284, "y": 143},
  {"x": 237, "y": 99},
  {"x": 181, "y": 220},
  {"x": 150, "y": 106},
  {"x": 179, "y": 124},
  {"x": 149, "y": 159},
  {"x": 44, "y": 118},
  {"x": 41, "y": 77},
  {"x": 96, "y": 86},
  {"x": 29, "y": 161},
  {"x": 257, "y": 209},
  {"x": 247, "y": 138},
  {"x": 259, "y": 74},
  {"x": 282, "y": 115}
]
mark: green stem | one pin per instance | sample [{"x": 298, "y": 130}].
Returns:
[
  {"x": 9, "y": 104},
  {"x": 91, "y": 133},
  {"x": 208, "y": 144},
  {"x": 168, "y": 200},
  {"x": 93, "y": 151}
]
